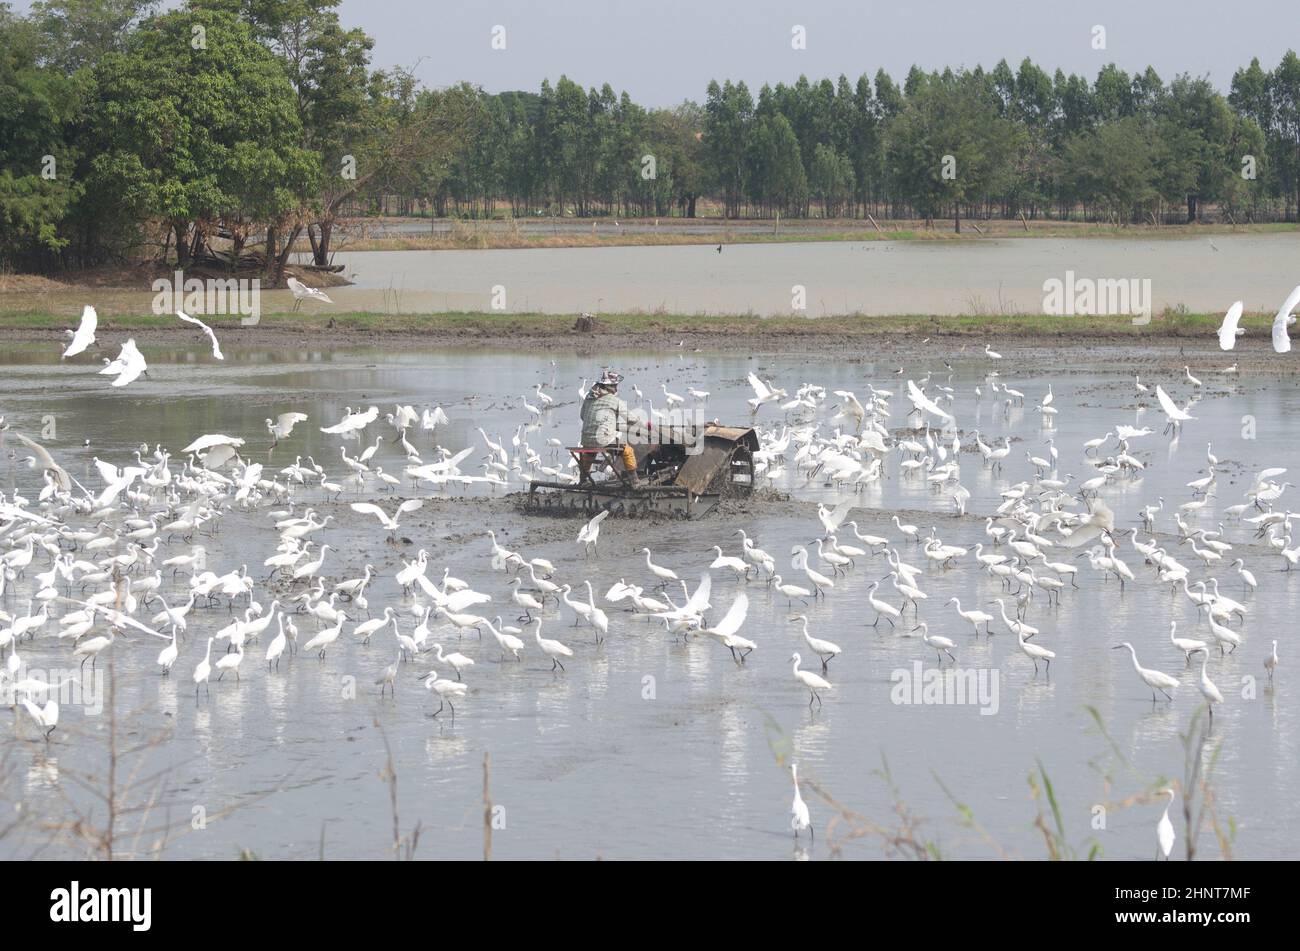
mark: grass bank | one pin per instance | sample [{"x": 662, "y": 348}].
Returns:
[
  {"x": 572, "y": 233},
  {"x": 507, "y": 326}
]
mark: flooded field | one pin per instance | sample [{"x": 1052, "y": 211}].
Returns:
[
  {"x": 984, "y": 277},
  {"x": 648, "y": 746},
  {"x": 874, "y": 278}
]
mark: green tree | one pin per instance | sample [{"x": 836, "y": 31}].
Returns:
[{"x": 199, "y": 130}]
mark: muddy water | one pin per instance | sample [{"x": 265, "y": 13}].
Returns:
[
  {"x": 647, "y": 747},
  {"x": 875, "y": 278}
]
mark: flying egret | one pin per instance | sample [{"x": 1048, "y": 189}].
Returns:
[
  {"x": 388, "y": 522},
  {"x": 1229, "y": 330},
  {"x": 1284, "y": 318},
  {"x": 1171, "y": 409},
  {"x": 216, "y": 347},
  {"x": 283, "y": 426},
  {"x": 128, "y": 366},
  {"x": 84, "y": 335}
]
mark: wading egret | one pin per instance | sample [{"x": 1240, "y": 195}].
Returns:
[
  {"x": 809, "y": 680},
  {"x": 1152, "y": 678},
  {"x": 551, "y": 648},
  {"x": 1208, "y": 690},
  {"x": 203, "y": 670},
  {"x": 823, "y": 649},
  {"x": 455, "y": 661},
  {"x": 799, "y": 819},
  {"x": 1165, "y": 828},
  {"x": 447, "y": 690},
  {"x": 1187, "y": 645},
  {"x": 935, "y": 642},
  {"x": 1271, "y": 661}
]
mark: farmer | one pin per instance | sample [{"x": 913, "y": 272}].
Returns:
[{"x": 605, "y": 420}]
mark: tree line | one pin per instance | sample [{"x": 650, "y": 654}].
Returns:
[
  {"x": 130, "y": 132},
  {"x": 996, "y": 143}
]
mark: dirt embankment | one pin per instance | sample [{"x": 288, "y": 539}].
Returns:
[{"x": 873, "y": 344}]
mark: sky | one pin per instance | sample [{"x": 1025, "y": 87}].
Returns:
[{"x": 664, "y": 51}]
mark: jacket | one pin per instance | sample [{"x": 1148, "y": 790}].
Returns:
[{"x": 604, "y": 419}]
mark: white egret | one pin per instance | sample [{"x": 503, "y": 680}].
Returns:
[
  {"x": 47, "y": 717},
  {"x": 203, "y": 670},
  {"x": 936, "y": 642},
  {"x": 1230, "y": 330},
  {"x": 506, "y": 640},
  {"x": 1154, "y": 679},
  {"x": 1035, "y": 652},
  {"x": 551, "y": 648},
  {"x": 167, "y": 656},
  {"x": 84, "y": 335},
  {"x": 216, "y": 347},
  {"x": 456, "y": 661},
  {"x": 590, "y": 533},
  {"x": 302, "y": 292},
  {"x": 1284, "y": 318},
  {"x": 809, "y": 680},
  {"x": 231, "y": 662},
  {"x": 1165, "y": 828},
  {"x": 524, "y": 600},
  {"x": 975, "y": 617},
  {"x": 665, "y": 575},
  {"x": 447, "y": 690},
  {"x": 799, "y": 818},
  {"x": 1208, "y": 690},
  {"x": 882, "y": 608},
  {"x": 1187, "y": 645},
  {"x": 824, "y": 649}
]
